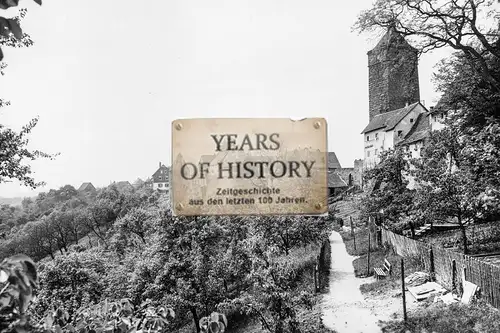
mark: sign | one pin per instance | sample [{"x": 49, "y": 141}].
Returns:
[{"x": 257, "y": 166}]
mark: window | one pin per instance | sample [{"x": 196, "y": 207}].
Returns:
[
  {"x": 376, "y": 152},
  {"x": 411, "y": 120},
  {"x": 367, "y": 138},
  {"x": 159, "y": 177},
  {"x": 368, "y": 153},
  {"x": 376, "y": 136},
  {"x": 160, "y": 185}
]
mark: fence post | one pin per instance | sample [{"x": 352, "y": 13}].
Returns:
[
  {"x": 432, "y": 268},
  {"x": 379, "y": 236},
  {"x": 453, "y": 275},
  {"x": 403, "y": 288},
  {"x": 316, "y": 277},
  {"x": 369, "y": 250},
  {"x": 352, "y": 233}
]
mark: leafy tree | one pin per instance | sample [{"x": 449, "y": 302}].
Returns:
[
  {"x": 61, "y": 227},
  {"x": 18, "y": 280},
  {"x": 390, "y": 198},
  {"x": 285, "y": 233},
  {"x": 468, "y": 26},
  {"x": 447, "y": 187},
  {"x": 14, "y": 151},
  {"x": 13, "y": 146}
]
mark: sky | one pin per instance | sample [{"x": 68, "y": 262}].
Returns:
[{"x": 107, "y": 81}]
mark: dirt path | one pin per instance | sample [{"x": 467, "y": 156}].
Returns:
[{"x": 344, "y": 307}]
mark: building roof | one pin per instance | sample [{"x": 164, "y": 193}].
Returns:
[
  {"x": 121, "y": 185},
  {"x": 86, "y": 187},
  {"x": 389, "y": 120},
  {"x": 390, "y": 38},
  {"x": 333, "y": 161},
  {"x": 419, "y": 131},
  {"x": 162, "y": 174},
  {"x": 335, "y": 181}
]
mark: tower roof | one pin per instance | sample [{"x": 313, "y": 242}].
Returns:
[
  {"x": 333, "y": 161},
  {"x": 391, "y": 39}
]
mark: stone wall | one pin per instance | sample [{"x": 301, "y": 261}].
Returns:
[
  {"x": 355, "y": 172},
  {"x": 392, "y": 74}
]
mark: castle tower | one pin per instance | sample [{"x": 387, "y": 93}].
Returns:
[{"x": 393, "y": 74}]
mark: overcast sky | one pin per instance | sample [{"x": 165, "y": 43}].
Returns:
[{"x": 107, "y": 80}]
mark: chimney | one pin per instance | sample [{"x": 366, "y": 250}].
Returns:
[
  {"x": 431, "y": 108},
  {"x": 406, "y": 105},
  {"x": 159, "y": 165}
]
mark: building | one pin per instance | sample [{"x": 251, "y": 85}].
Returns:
[
  {"x": 386, "y": 130},
  {"x": 148, "y": 183},
  {"x": 394, "y": 95},
  {"x": 123, "y": 186},
  {"x": 392, "y": 74},
  {"x": 397, "y": 118},
  {"x": 161, "y": 178},
  {"x": 87, "y": 188},
  {"x": 339, "y": 178},
  {"x": 396, "y": 115}
]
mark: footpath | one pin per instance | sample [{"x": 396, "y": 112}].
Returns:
[{"x": 344, "y": 307}]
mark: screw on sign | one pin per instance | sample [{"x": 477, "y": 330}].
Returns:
[{"x": 215, "y": 323}]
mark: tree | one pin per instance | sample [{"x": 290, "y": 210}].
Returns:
[
  {"x": 11, "y": 33},
  {"x": 447, "y": 189},
  {"x": 285, "y": 233},
  {"x": 13, "y": 146},
  {"x": 14, "y": 151},
  {"x": 473, "y": 120},
  {"x": 390, "y": 199},
  {"x": 468, "y": 26}
]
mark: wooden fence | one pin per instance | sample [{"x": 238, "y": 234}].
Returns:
[{"x": 449, "y": 267}]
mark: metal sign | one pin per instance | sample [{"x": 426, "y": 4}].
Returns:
[{"x": 257, "y": 166}]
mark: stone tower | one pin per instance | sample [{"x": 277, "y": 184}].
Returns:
[{"x": 393, "y": 74}]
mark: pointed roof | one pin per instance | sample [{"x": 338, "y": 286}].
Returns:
[
  {"x": 121, "y": 185},
  {"x": 389, "y": 120},
  {"x": 391, "y": 38},
  {"x": 333, "y": 161},
  {"x": 335, "y": 181},
  {"x": 419, "y": 131},
  {"x": 86, "y": 187}
]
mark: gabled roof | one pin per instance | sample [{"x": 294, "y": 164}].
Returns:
[
  {"x": 335, "y": 181},
  {"x": 86, "y": 187},
  {"x": 161, "y": 174},
  {"x": 333, "y": 161},
  {"x": 123, "y": 185},
  {"x": 389, "y": 120},
  {"x": 420, "y": 130}
]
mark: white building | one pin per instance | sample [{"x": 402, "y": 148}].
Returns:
[{"x": 387, "y": 130}]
